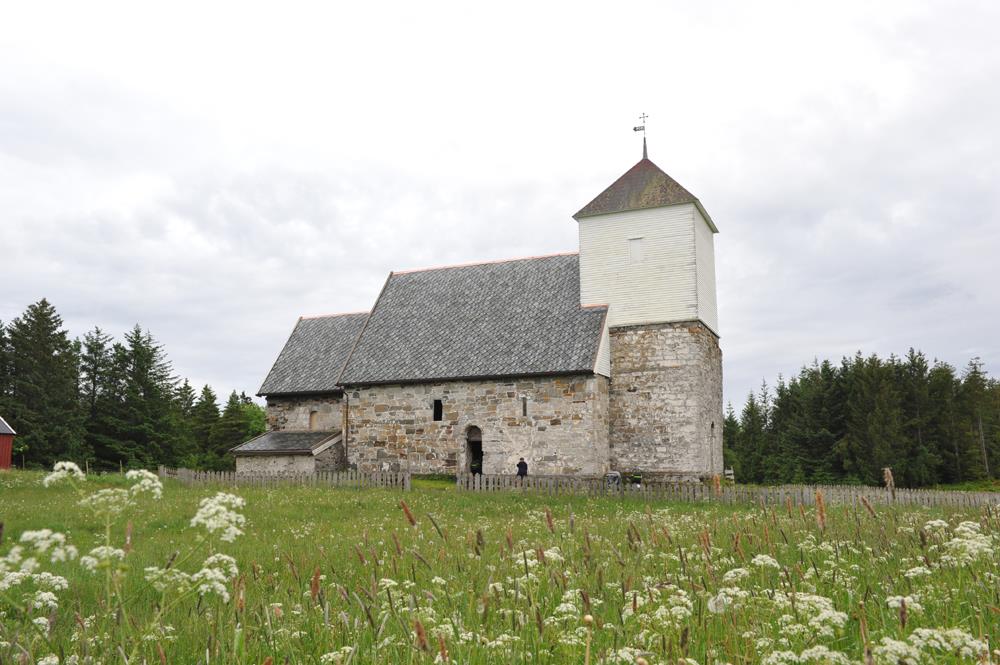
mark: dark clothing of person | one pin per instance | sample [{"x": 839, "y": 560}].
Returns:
[{"x": 522, "y": 469}]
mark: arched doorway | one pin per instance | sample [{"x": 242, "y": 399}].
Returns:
[{"x": 474, "y": 449}]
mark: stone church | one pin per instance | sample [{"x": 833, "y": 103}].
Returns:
[{"x": 581, "y": 363}]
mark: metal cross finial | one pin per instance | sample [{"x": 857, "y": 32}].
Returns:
[{"x": 642, "y": 127}]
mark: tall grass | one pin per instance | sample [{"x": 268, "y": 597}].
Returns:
[{"x": 346, "y": 576}]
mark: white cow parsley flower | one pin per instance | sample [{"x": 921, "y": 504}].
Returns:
[
  {"x": 62, "y": 471},
  {"x": 102, "y": 557},
  {"x": 217, "y": 514},
  {"x": 765, "y": 561},
  {"x": 145, "y": 481},
  {"x": 107, "y": 502}
]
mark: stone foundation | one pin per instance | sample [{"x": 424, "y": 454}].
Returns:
[
  {"x": 666, "y": 400},
  {"x": 391, "y": 428},
  {"x": 292, "y": 413}
]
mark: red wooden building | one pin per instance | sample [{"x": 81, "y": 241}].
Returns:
[{"x": 6, "y": 444}]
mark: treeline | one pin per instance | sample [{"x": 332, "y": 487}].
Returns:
[
  {"x": 844, "y": 423},
  {"x": 109, "y": 403}
]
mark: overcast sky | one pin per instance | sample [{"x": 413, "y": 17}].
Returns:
[{"x": 214, "y": 171}]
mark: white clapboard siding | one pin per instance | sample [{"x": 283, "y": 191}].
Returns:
[
  {"x": 603, "y": 364},
  {"x": 704, "y": 240},
  {"x": 659, "y": 288}
]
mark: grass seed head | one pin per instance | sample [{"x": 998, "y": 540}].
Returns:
[
  {"x": 409, "y": 514},
  {"x": 820, "y": 511}
]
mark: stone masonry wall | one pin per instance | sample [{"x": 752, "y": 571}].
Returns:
[
  {"x": 391, "y": 428},
  {"x": 292, "y": 413},
  {"x": 666, "y": 399},
  {"x": 332, "y": 459},
  {"x": 270, "y": 464}
]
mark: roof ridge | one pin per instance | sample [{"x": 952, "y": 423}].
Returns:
[
  {"x": 330, "y": 316},
  {"x": 485, "y": 263}
]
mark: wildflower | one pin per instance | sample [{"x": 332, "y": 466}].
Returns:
[
  {"x": 625, "y": 655},
  {"x": 101, "y": 557},
  {"x": 968, "y": 544},
  {"x": 336, "y": 657},
  {"x": 169, "y": 578},
  {"x": 43, "y": 600},
  {"x": 44, "y": 540},
  {"x": 554, "y": 555},
  {"x": 51, "y": 659},
  {"x": 896, "y": 652},
  {"x": 11, "y": 579},
  {"x": 936, "y": 525},
  {"x": 62, "y": 471},
  {"x": 917, "y": 571},
  {"x": 146, "y": 481},
  {"x": 952, "y": 640},
  {"x": 765, "y": 561},
  {"x": 49, "y": 581},
  {"x": 216, "y": 514},
  {"x": 735, "y": 575},
  {"x": 912, "y": 604},
  {"x": 726, "y": 598},
  {"x": 211, "y": 580},
  {"x": 223, "y": 562},
  {"x": 107, "y": 502}
]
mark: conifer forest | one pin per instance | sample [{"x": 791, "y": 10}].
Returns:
[{"x": 110, "y": 403}]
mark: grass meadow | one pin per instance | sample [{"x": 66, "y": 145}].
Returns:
[{"x": 113, "y": 570}]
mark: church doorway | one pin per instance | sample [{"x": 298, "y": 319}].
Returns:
[{"x": 474, "y": 449}]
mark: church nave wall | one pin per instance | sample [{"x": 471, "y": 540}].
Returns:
[{"x": 565, "y": 430}]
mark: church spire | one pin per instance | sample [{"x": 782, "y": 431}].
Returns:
[{"x": 645, "y": 155}]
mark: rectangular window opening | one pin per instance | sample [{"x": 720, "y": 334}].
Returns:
[
  {"x": 438, "y": 409},
  {"x": 524, "y": 406},
  {"x": 635, "y": 250}
]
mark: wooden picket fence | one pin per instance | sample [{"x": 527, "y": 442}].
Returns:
[
  {"x": 349, "y": 479},
  {"x": 695, "y": 492}
]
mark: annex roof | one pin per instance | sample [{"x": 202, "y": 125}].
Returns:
[
  {"x": 284, "y": 443},
  {"x": 5, "y": 428},
  {"x": 490, "y": 320},
  {"x": 643, "y": 186},
  {"x": 314, "y": 355}
]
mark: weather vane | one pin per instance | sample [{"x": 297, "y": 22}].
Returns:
[{"x": 642, "y": 127}]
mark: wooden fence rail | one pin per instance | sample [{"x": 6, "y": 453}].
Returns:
[
  {"x": 727, "y": 494},
  {"x": 353, "y": 479}
]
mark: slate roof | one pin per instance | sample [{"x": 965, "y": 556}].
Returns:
[
  {"x": 511, "y": 318},
  {"x": 313, "y": 355},
  {"x": 5, "y": 428},
  {"x": 643, "y": 186},
  {"x": 286, "y": 443}
]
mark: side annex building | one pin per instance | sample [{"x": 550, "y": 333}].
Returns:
[{"x": 603, "y": 359}]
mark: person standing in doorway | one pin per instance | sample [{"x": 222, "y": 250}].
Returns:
[{"x": 522, "y": 469}]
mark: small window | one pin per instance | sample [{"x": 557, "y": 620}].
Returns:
[
  {"x": 524, "y": 406},
  {"x": 438, "y": 409},
  {"x": 313, "y": 420},
  {"x": 635, "y": 250}
]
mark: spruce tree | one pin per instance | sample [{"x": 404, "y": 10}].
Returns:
[
  {"x": 204, "y": 416},
  {"x": 42, "y": 404}
]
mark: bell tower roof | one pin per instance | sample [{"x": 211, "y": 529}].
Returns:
[{"x": 643, "y": 186}]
